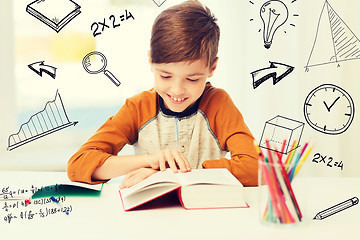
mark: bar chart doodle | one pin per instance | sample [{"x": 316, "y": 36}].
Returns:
[
  {"x": 337, "y": 208},
  {"x": 334, "y": 40},
  {"x": 54, "y": 13},
  {"x": 49, "y": 120}
]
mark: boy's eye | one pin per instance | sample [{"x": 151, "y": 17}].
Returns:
[
  {"x": 192, "y": 80},
  {"x": 165, "y": 76}
]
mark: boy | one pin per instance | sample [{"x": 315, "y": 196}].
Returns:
[{"x": 183, "y": 122}]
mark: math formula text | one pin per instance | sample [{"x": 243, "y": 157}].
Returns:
[
  {"x": 327, "y": 161},
  {"x": 114, "y": 21}
]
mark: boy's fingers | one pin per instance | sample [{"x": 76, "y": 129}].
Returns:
[
  {"x": 187, "y": 164},
  {"x": 132, "y": 180},
  {"x": 170, "y": 160},
  {"x": 179, "y": 160},
  {"x": 162, "y": 164},
  {"x": 136, "y": 176},
  {"x": 123, "y": 182}
]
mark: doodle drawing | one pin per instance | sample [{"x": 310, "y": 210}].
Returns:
[
  {"x": 96, "y": 62},
  {"x": 329, "y": 109},
  {"x": 274, "y": 14},
  {"x": 51, "y": 119},
  {"x": 334, "y": 41},
  {"x": 276, "y": 71},
  {"x": 279, "y": 128},
  {"x": 40, "y": 67},
  {"x": 159, "y": 2},
  {"x": 337, "y": 208},
  {"x": 54, "y": 13}
]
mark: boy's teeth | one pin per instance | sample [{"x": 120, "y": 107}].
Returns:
[{"x": 178, "y": 99}]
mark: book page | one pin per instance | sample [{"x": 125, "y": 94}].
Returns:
[
  {"x": 96, "y": 187},
  {"x": 207, "y": 176},
  {"x": 158, "y": 178}
]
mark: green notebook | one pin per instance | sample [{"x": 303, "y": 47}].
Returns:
[{"x": 73, "y": 189}]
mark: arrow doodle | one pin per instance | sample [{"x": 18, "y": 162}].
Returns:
[
  {"x": 276, "y": 71},
  {"x": 40, "y": 67}
]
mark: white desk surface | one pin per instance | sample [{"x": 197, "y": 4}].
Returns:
[{"x": 103, "y": 217}]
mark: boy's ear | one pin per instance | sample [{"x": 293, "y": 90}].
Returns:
[{"x": 213, "y": 67}]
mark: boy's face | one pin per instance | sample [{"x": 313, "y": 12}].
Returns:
[{"x": 181, "y": 84}]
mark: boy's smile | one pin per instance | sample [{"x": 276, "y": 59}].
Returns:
[{"x": 180, "y": 84}]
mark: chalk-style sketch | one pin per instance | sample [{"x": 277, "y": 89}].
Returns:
[
  {"x": 336, "y": 208},
  {"x": 96, "y": 62},
  {"x": 278, "y": 129},
  {"x": 334, "y": 40},
  {"x": 159, "y": 2},
  {"x": 49, "y": 120},
  {"x": 99, "y": 27},
  {"x": 328, "y": 161},
  {"x": 40, "y": 67},
  {"x": 274, "y": 14},
  {"x": 276, "y": 71},
  {"x": 329, "y": 109},
  {"x": 54, "y": 13},
  {"x": 16, "y": 209}
]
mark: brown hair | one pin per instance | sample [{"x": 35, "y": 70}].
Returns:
[{"x": 185, "y": 32}]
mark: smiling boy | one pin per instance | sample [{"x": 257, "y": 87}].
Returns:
[{"x": 183, "y": 122}]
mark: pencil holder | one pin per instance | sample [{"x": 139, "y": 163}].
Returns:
[{"x": 282, "y": 194}]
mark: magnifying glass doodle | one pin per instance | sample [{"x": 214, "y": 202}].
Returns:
[{"x": 95, "y": 62}]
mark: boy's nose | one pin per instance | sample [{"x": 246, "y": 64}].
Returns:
[{"x": 178, "y": 89}]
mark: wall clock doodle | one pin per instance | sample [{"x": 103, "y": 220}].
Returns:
[{"x": 329, "y": 109}]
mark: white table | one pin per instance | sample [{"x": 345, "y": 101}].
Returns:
[{"x": 104, "y": 218}]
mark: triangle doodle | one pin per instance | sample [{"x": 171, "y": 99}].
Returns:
[
  {"x": 334, "y": 40},
  {"x": 159, "y": 2}
]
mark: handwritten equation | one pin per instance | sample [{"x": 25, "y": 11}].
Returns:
[
  {"x": 99, "y": 27},
  {"x": 17, "y": 204},
  {"x": 42, "y": 213},
  {"x": 328, "y": 161},
  {"x": 7, "y": 193}
]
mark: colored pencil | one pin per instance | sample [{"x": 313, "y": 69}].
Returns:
[
  {"x": 302, "y": 161},
  {"x": 292, "y": 171},
  {"x": 291, "y": 155}
]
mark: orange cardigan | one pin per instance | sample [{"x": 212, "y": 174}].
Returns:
[{"x": 204, "y": 133}]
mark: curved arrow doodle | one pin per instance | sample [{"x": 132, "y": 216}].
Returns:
[
  {"x": 276, "y": 71},
  {"x": 40, "y": 67}
]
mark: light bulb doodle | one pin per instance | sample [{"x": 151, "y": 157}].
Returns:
[{"x": 273, "y": 13}]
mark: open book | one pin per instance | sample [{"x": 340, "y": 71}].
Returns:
[
  {"x": 200, "y": 188},
  {"x": 54, "y": 13}
]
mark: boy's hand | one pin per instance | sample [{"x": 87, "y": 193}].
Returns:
[
  {"x": 171, "y": 157},
  {"x": 136, "y": 176}
]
